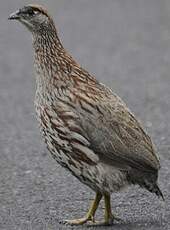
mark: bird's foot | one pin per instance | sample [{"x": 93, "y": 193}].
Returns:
[
  {"x": 79, "y": 221},
  {"x": 111, "y": 219},
  {"x": 91, "y": 221},
  {"x": 107, "y": 221}
]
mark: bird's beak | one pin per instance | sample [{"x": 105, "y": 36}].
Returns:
[{"x": 15, "y": 15}]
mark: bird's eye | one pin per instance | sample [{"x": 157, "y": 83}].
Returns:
[
  {"x": 36, "y": 12},
  {"x": 31, "y": 12}
]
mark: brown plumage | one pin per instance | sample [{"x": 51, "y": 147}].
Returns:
[{"x": 87, "y": 128}]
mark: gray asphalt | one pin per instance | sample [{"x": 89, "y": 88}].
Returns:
[{"x": 126, "y": 45}]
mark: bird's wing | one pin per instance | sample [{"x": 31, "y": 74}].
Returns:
[
  {"x": 111, "y": 130},
  {"x": 117, "y": 137}
]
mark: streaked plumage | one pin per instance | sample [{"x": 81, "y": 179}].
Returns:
[{"x": 87, "y": 128}]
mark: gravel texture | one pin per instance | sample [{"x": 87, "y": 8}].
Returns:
[{"x": 126, "y": 45}]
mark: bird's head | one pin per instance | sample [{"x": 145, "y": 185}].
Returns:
[{"x": 34, "y": 17}]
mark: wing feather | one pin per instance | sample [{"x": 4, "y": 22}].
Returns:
[{"x": 118, "y": 138}]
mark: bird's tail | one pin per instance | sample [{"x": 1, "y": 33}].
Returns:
[
  {"x": 154, "y": 188},
  {"x": 147, "y": 181}
]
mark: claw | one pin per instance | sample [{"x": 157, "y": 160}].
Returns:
[
  {"x": 90, "y": 215},
  {"x": 109, "y": 217},
  {"x": 80, "y": 221},
  {"x": 76, "y": 221}
]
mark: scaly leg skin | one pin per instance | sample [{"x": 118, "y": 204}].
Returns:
[
  {"x": 108, "y": 217},
  {"x": 90, "y": 215}
]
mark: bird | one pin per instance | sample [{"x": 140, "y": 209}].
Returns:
[{"x": 87, "y": 128}]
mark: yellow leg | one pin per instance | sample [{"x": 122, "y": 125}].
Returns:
[
  {"x": 108, "y": 217},
  {"x": 90, "y": 214}
]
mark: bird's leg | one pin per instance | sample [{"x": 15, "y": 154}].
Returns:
[
  {"x": 109, "y": 217},
  {"x": 90, "y": 214}
]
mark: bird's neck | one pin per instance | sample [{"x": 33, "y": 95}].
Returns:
[
  {"x": 47, "y": 43},
  {"x": 52, "y": 63}
]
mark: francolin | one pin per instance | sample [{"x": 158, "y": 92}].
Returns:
[{"x": 87, "y": 128}]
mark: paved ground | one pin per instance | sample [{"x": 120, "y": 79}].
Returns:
[{"x": 126, "y": 44}]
